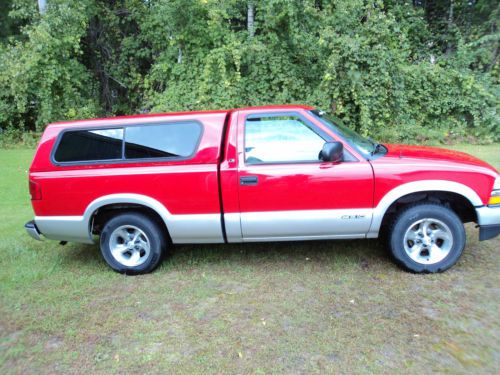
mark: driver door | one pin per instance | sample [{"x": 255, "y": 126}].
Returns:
[{"x": 286, "y": 192}]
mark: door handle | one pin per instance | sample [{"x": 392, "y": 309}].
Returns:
[{"x": 249, "y": 180}]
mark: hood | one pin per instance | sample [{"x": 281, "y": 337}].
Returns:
[{"x": 397, "y": 151}]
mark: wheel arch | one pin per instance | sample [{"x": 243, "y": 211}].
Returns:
[
  {"x": 126, "y": 202},
  {"x": 438, "y": 189}
]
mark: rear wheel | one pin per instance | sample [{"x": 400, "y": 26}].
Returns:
[
  {"x": 132, "y": 243},
  {"x": 427, "y": 238}
]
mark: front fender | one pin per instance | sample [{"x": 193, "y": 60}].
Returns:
[{"x": 416, "y": 187}]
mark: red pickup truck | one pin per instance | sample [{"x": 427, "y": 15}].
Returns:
[{"x": 275, "y": 173}]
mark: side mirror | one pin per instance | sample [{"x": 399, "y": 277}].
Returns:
[{"x": 332, "y": 151}]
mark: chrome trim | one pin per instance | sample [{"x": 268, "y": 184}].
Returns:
[
  {"x": 305, "y": 224},
  {"x": 414, "y": 187},
  {"x": 488, "y": 215},
  {"x": 129, "y": 245},
  {"x": 428, "y": 241}
]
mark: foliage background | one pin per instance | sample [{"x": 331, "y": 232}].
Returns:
[{"x": 408, "y": 71}]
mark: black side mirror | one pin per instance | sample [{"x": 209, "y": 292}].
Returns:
[{"x": 332, "y": 151}]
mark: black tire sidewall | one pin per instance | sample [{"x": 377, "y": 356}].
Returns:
[
  {"x": 422, "y": 211},
  {"x": 152, "y": 231}
]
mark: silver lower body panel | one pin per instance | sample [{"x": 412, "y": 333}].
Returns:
[
  {"x": 244, "y": 227},
  {"x": 304, "y": 225},
  {"x": 204, "y": 228},
  {"x": 64, "y": 228}
]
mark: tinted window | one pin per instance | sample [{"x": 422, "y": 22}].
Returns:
[
  {"x": 90, "y": 145},
  {"x": 160, "y": 141},
  {"x": 280, "y": 139}
]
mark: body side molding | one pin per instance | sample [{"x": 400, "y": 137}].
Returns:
[{"x": 305, "y": 224}]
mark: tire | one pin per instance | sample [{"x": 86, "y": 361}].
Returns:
[
  {"x": 132, "y": 243},
  {"x": 435, "y": 251}
]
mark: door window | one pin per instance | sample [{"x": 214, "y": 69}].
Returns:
[{"x": 280, "y": 139}]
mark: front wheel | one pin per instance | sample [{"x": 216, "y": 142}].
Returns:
[
  {"x": 132, "y": 243},
  {"x": 427, "y": 238}
]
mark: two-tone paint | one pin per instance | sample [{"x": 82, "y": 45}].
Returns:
[{"x": 203, "y": 199}]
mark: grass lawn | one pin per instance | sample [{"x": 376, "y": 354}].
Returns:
[{"x": 308, "y": 307}]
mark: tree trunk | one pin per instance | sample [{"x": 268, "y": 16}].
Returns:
[
  {"x": 494, "y": 59},
  {"x": 250, "y": 18},
  {"x": 42, "y": 6},
  {"x": 449, "y": 47},
  {"x": 179, "y": 55},
  {"x": 495, "y": 50}
]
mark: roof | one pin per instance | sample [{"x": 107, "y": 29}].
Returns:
[{"x": 206, "y": 112}]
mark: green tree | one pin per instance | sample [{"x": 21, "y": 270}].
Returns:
[
  {"x": 408, "y": 70},
  {"x": 42, "y": 78}
]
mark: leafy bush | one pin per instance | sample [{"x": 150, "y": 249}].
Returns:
[
  {"x": 395, "y": 70},
  {"x": 42, "y": 79}
]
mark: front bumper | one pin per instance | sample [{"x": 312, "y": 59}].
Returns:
[
  {"x": 32, "y": 230},
  {"x": 488, "y": 219}
]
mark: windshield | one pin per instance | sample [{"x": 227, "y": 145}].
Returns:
[{"x": 365, "y": 146}]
